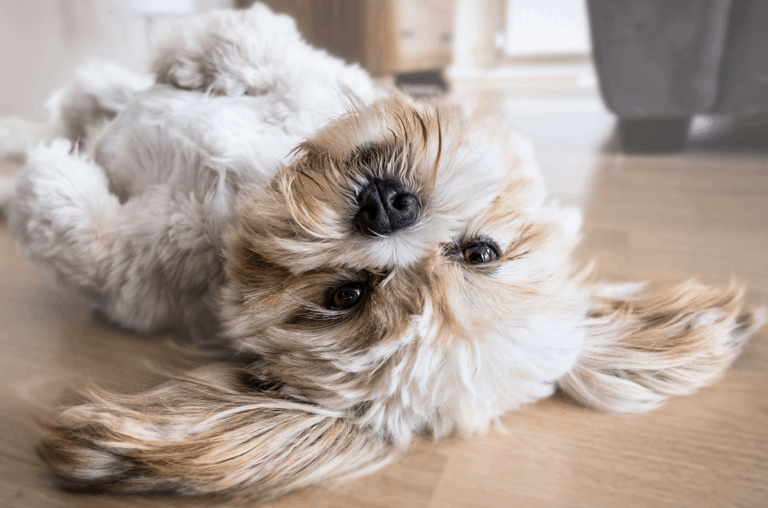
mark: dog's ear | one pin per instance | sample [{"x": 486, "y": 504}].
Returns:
[
  {"x": 208, "y": 432},
  {"x": 641, "y": 349}
]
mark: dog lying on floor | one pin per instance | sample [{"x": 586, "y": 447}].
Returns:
[{"x": 394, "y": 268}]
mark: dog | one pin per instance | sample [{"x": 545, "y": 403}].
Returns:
[{"x": 391, "y": 268}]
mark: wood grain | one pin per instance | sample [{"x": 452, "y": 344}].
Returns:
[{"x": 702, "y": 213}]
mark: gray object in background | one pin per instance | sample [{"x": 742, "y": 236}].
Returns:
[{"x": 661, "y": 62}]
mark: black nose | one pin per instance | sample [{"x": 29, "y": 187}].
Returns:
[{"x": 385, "y": 207}]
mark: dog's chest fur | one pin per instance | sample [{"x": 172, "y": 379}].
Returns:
[{"x": 459, "y": 385}]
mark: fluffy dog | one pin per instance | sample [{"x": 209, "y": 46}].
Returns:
[{"x": 393, "y": 268}]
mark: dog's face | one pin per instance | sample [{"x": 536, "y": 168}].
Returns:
[{"x": 401, "y": 240}]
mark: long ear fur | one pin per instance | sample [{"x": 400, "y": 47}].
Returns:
[
  {"x": 642, "y": 349},
  {"x": 207, "y": 432}
]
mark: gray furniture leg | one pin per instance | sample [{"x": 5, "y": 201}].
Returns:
[{"x": 653, "y": 135}]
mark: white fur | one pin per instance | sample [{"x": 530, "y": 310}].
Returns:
[{"x": 175, "y": 159}]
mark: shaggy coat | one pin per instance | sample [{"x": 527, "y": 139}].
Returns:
[{"x": 229, "y": 192}]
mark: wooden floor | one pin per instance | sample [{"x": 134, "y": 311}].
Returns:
[{"x": 700, "y": 214}]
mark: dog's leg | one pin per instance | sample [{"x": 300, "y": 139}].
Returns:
[
  {"x": 206, "y": 432},
  {"x": 99, "y": 91},
  {"x": 642, "y": 349},
  {"x": 145, "y": 263}
]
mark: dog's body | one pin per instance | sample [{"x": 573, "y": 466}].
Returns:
[
  {"x": 394, "y": 268},
  {"x": 159, "y": 167}
]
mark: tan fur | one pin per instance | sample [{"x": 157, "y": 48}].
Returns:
[
  {"x": 202, "y": 433},
  {"x": 438, "y": 346},
  {"x": 643, "y": 349}
]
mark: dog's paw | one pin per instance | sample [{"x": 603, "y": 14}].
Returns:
[
  {"x": 61, "y": 188},
  {"x": 61, "y": 212},
  {"x": 229, "y": 52}
]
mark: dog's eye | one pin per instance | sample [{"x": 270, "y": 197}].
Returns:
[
  {"x": 346, "y": 296},
  {"x": 479, "y": 254}
]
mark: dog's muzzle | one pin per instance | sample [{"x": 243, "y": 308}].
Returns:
[{"x": 386, "y": 206}]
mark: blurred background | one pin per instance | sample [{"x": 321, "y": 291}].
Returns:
[{"x": 649, "y": 115}]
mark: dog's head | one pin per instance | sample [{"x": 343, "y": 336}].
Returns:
[{"x": 403, "y": 234}]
